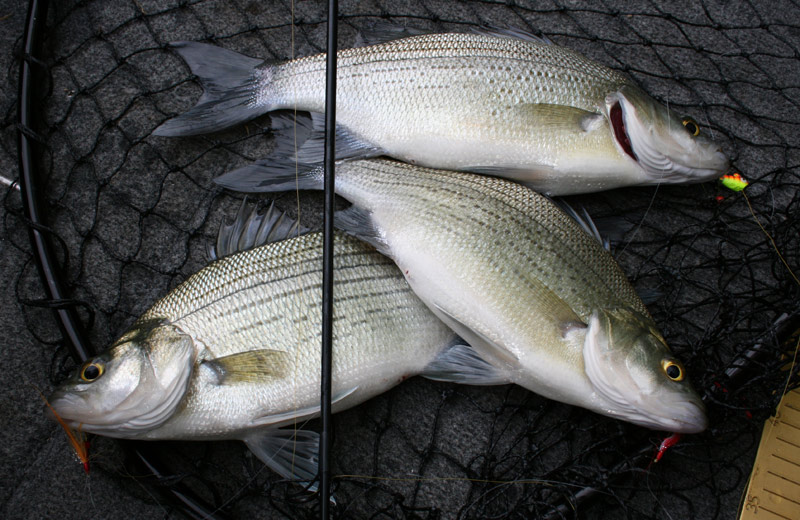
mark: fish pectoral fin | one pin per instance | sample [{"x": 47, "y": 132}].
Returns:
[
  {"x": 293, "y": 454},
  {"x": 460, "y": 363},
  {"x": 358, "y": 222},
  {"x": 250, "y": 367},
  {"x": 550, "y": 115}
]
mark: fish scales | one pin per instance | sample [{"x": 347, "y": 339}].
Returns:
[
  {"x": 532, "y": 240},
  {"x": 475, "y": 77},
  {"x": 499, "y": 103},
  {"x": 270, "y": 298},
  {"x": 535, "y": 295}
]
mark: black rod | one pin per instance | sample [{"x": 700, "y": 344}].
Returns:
[
  {"x": 327, "y": 264},
  {"x": 68, "y": 321},
  {"x": 66, "y": 317}
]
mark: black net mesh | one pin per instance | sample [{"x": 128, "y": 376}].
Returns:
[{"x": 133, "y": 214}]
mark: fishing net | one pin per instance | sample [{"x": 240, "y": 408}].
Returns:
[{"x": 130, "y": 215}]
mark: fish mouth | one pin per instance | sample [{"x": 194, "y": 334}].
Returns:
[
  {"x": 620, "y": 132},
  {"x": 664, "y": 158},
  {"x": 678, "y": 417}
]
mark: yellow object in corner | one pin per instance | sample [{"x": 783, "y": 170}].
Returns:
[{"x": 774, "y": 487}]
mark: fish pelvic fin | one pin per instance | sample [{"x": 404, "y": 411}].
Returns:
[
  {"x": 293, "y": 454},
  {"x": 460, "y": 363},
  {"x": 230, "y": 82}
]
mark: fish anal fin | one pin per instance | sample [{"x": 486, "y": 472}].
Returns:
[
  {"x": 489, "y": 349},
  {"x": 293, "y": 454},
  {"x": 348, "y": 144}
]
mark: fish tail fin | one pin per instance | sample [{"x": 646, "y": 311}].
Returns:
[
  {"x": 293, "y": 454},
  {"x": 230, "y": 83},
  {"x": 460, "y": 363}
]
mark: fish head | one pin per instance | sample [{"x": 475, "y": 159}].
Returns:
[
  {"x": 669, "y": 148},
  {"x": 635, "y": 375},
  {"x": 133, "y": 387}
]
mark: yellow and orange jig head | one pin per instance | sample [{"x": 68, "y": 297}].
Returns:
[{"x": 734, "y": 182}]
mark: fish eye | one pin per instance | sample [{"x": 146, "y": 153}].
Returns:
[
  {"x": 91, "y": 371},
  {"x": 673, "y": 370},
  {"x": 691, "y": 126}
]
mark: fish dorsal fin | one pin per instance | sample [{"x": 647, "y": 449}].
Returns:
[
  {"x": 250, "y": 367},
  {"x": 251, "y": 229},
  {"x": 510, "y": 32},
  {"x": 382, "y": 32},
  {"x": 584, "y": 220}
]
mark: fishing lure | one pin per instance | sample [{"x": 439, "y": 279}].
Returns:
[
  {"x": 666, "y": 444},
  {"x": 734, "y": 182},
  {"x": 76, "y": 437}
]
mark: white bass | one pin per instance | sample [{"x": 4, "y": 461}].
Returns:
[
  {"x": 522, "y": 282},
  {"x": 234, "y": 351},
  {"x": 503, "y": 103}
]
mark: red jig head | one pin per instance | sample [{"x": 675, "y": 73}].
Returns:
[
  {"x": 76, "y": 437},
  {"x": 666, "y": 444}
]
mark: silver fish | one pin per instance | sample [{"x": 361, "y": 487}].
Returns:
[
  {"x": 234, "y": 351},
  {"x": 503, "y": 103},
  {"x": 522, "y": 282}
]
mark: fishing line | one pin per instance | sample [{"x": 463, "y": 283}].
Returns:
[
  {"x": 641, "y": 221},
  {"x": 769, "y": 237}
]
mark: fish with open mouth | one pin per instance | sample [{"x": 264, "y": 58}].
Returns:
[
  {"x": 498, "y": 102},
  {"x": 532, "y": 292}
]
